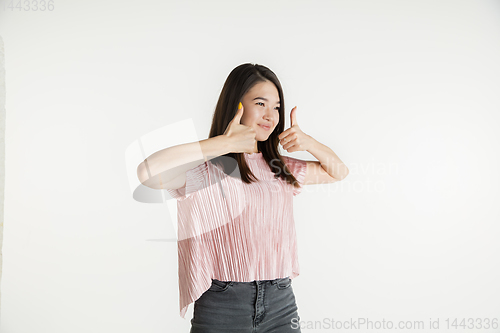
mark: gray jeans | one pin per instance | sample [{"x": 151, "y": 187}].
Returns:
[{"x": 246, "y": 307}]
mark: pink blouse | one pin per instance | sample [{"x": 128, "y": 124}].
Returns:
[{"x": 232, "y": 231}]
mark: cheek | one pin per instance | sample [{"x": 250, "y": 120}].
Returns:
[
  {"x": 277, "y": 120},
  {"x": 249, "y": 117},
  {"x": 244, "y": 119}
]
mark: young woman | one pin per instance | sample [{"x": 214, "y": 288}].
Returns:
[{"x": 237, "y": 246}]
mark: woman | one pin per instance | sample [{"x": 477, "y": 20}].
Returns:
[{"x": 237, "y": 246}]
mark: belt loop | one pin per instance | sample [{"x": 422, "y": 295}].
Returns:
[{"x": 280, "y": 279}]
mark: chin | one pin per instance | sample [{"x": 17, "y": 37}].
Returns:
[{"x": 262, "y": 138}]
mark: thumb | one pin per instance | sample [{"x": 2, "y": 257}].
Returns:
[
  {"x": 239, "y": 114},
  {"x": 293, "y": 117}
]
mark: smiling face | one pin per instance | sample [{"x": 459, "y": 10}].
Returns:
[{"x": 261, "y": 108}]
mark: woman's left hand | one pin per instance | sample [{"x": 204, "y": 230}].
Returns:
[{"x": 293, "y": 139}]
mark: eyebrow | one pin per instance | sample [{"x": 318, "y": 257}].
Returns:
[{"x": 265, "y": 99}]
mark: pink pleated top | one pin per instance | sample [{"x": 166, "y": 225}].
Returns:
[{"x": 232, "y": 231}]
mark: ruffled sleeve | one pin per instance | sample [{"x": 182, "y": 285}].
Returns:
[
  {"x": 196, "y": 178},
  {"x": 298, "y": 169}
]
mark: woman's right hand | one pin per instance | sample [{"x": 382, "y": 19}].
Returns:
[{"x": 242, "y": 137}]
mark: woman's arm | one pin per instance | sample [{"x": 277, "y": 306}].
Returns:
[
  {"x": 166, "y": 168},
  {"x": 327, "y": 167}
]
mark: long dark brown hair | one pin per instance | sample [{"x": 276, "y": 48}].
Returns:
[{"x": 238, "y": 83}]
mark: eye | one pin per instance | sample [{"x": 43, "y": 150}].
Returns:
[{"x": 277, "y": 108}]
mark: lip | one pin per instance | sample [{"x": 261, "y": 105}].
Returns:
[{"x": 266, "y": 127}]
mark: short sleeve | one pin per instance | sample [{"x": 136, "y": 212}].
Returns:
[
  {"x": 195, "y": 180},
  {"x": 298, "y": 168}
]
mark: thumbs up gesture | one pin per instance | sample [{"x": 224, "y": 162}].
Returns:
[
  {"x": 293, "y": 139},
  {"x": 241, "y": 137}
]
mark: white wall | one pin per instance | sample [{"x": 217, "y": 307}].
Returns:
[
  {"x": 2, "y": 150},
  {"x": 405, "y": 92}
]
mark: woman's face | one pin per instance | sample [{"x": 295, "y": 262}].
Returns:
[{"x": 261, "y": 108}]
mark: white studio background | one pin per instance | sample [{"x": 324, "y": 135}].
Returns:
[{"x": 405, "y": 92}]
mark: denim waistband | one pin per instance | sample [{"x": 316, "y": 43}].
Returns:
[{"x": 258, "y": 281}]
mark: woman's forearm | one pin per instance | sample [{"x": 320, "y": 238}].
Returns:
[
  {"x": 173, "y": 161},
  {"x": 330, "y": 162}
]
